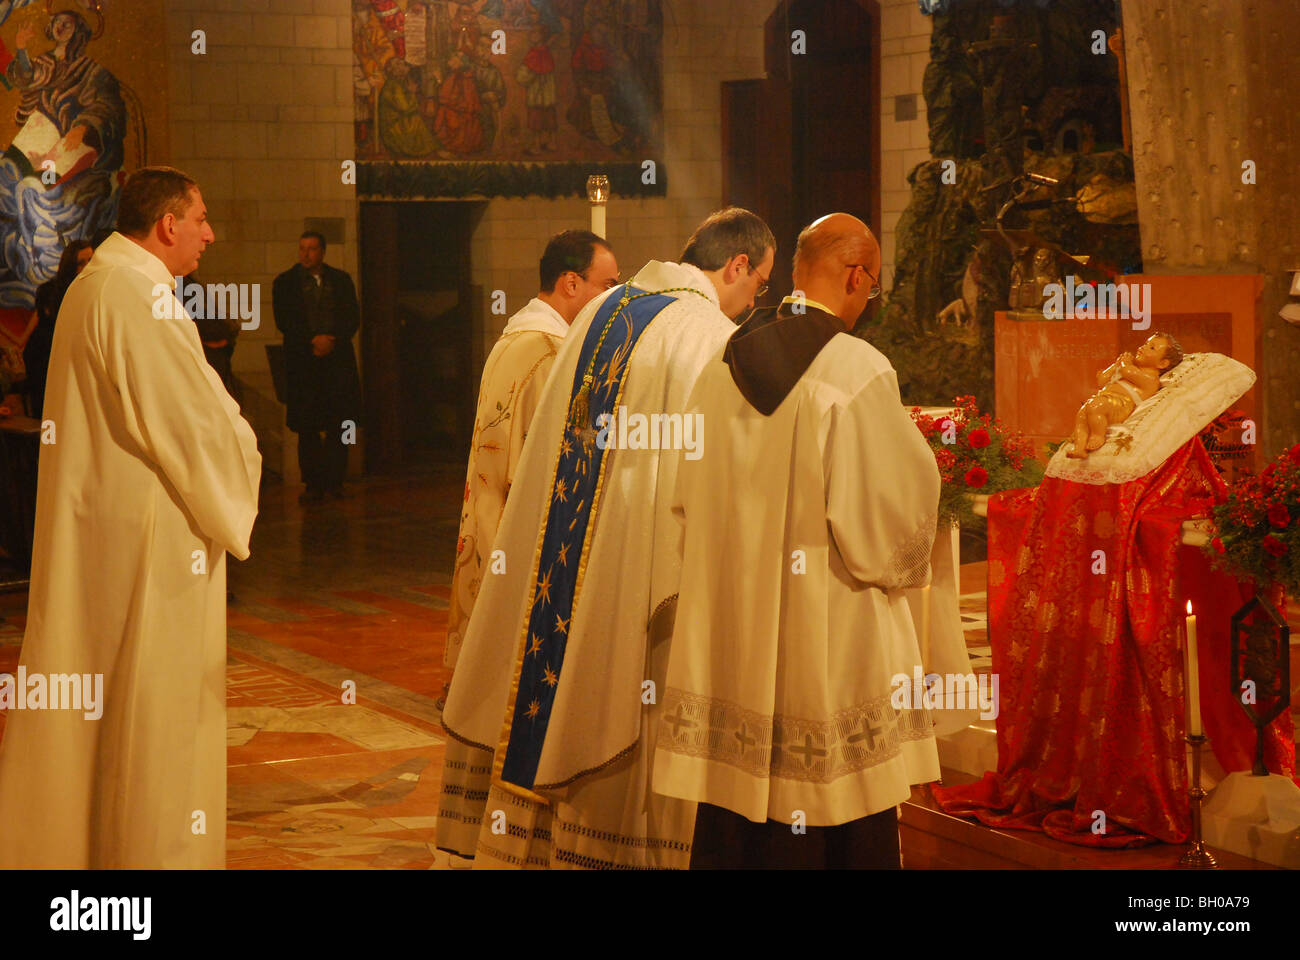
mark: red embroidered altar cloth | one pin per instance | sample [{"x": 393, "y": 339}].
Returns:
[{"x": 1090, "y": 663}]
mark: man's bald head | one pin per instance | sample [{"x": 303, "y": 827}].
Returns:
[
  {"x": 837, "y": 263},
  {"x": 835, "y": 240}
]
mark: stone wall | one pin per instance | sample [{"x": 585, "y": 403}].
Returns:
[
  {"x": 904, "y": 54},
  {"x": 263, "y": 121}
]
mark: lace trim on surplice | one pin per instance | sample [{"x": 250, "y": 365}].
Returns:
[
  {"x": 788, "y": 748},
  {"x": 910, "y": 564}
]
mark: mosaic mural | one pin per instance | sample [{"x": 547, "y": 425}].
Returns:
[
  {"x": 475, "y": 97},
  {"x": 71, "y": 125}
]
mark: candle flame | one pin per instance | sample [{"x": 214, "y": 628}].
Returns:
[{"x": 1189, "y": 608}]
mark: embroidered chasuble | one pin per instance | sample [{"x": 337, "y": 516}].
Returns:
[
  {"x": 550, "y": 678},
  {"x": 597, "y": 386},
  {"x": 791, "y": 621},
  {"x": 514, "y": 374}
]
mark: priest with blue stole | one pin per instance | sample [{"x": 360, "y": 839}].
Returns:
[
  {"x": 559, "y": 682},
  {"x": 812, "y": 511},
  {"x": 575, "y": 267}
]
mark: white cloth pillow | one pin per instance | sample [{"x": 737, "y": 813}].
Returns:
[{"x": 1190, "y": 397}]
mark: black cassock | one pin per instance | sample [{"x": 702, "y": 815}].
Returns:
[
  {"x": 727, "y": 841},
  {"x": 321, "y": 392}
]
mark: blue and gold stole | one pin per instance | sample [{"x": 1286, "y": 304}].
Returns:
[{"x": 566, "y": 536}]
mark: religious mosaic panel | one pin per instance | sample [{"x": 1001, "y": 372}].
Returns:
[
  {"x": 506, "y": 97},
  {"x": 69, "y": 75}
]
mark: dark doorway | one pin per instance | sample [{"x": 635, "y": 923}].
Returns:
[
  {"x": 805, "y": 141},
  {"x": 417, "y": 332}
]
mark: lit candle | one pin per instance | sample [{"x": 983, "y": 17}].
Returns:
[
  {"x": 598, "y": 196},
  {"x": 1193, "y": 678}
]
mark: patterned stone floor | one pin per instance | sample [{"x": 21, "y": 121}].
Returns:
[{"x": 334, "y": 748}]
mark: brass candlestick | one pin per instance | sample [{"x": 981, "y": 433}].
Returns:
[{"x": 1197, "y": 857}]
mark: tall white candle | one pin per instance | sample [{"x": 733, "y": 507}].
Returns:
[
  {"x": 1193, "y": 678},
  {"x": 598, "y": 219}
]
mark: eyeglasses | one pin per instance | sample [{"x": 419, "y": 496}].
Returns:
[
  {"x": 762, "y": 282},
  {"x": 876, "y": 289}
]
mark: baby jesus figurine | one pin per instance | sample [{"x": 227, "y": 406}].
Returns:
[{"x": 1132, "y": 378}]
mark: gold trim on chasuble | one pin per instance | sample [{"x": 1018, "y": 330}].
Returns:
[{"x": 579, "y": 396}]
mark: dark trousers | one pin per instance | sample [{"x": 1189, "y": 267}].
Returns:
[
  {"x": 323, "y": 459},
  {"x": 727, "y": 841}
]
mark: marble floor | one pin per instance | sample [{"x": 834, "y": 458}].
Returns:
[
  {"x": 334, "y": 668},
  {"x": 336, "y": 632}
]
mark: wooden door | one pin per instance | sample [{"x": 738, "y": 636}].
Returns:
[{"x": 805, "y": 141}]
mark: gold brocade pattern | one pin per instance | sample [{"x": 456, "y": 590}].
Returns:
[{"x": 789, "y": 748}]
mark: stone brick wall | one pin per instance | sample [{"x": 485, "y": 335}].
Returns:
[
  {"x": 263, "y": 121},
  {"x": 904, "y": 54}
]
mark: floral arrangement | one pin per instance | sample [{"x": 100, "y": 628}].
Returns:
[
  {"x": 975, "y": 454},
  {"x": 1257, "y": 536}
]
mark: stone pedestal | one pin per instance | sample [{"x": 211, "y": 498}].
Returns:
[{"x": 1257, "y": 817}]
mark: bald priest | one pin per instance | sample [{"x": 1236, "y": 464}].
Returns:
[{"x": 791, "y": 619}]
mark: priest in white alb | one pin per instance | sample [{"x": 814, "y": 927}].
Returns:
[
  {"x": 148, "y": 476},
  {"x": 812, "y": 508},
  {"x": 576, "y": 266},
  {"x": 559, "y": 671}
]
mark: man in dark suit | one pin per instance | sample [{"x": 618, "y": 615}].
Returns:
[{"x": 316, "y": 309}]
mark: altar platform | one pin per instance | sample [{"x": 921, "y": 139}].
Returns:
[{"x": 934, "y": 839}]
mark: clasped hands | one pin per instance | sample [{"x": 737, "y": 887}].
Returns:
[{"x": 321, "y": 344}]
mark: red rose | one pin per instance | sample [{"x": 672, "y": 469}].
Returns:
[
  {"x": 979, "y": 438},
  {"x": 976, "y": 477},
  {"x": 1217, "y": 544},
  {"x": 1266, "y": 480},
  {"x": 1294, "y": 454},
  {"x": 1278, "y": 516},
  {"x": 1273, "y": 546}
]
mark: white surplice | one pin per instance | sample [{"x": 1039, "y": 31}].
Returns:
[
  {"x": 594, "y": 767},
  {"x": 152, "y": 476},
  {"x": 514, "y": 374},
  {"x": 802, "y": 530}
]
